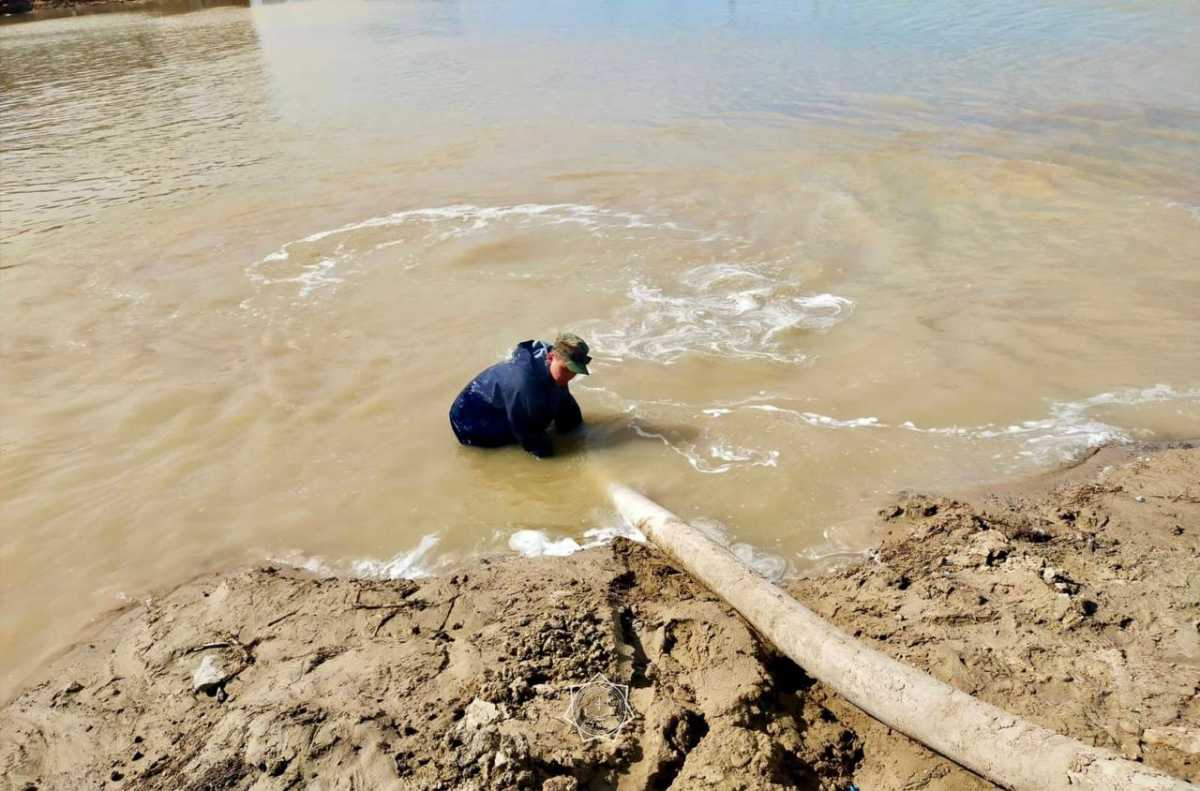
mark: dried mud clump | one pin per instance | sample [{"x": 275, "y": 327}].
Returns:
[
  {"x": 272, "y": 679},
  {"x": 1073, "y": 601}
]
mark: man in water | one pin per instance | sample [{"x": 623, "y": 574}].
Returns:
[{"x": 516, "y": 401}]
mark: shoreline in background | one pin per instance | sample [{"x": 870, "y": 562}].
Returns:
[
  {"x": 1072, "y": 599},
  {"x": 34, "y": 10}
]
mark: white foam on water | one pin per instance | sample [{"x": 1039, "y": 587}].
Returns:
[
  {"x": 298, "y": 560},
  {"x": 442, "y": 223},
  {"x": 828, "y": 552},
  {"x": 412, "y": 564},
  {"x": 766, "y": 564},
  {"x": 815, "y": 419},
  {"x": 1067, "y": 431},
  {"x": 405, "y": 565},
  {"x": 834, "y": 551},
  {"x": 1191, "y": 209},
  {"x": 725, "y": 309},
  {"x": 771, "y": 566},
  {"x": 421, "y": 561},
  {"x": 719, "y": 458},
  {"x": 756, "y": 458},
  {"x": 537, "y": 543},
  {"x": 316, "y": 276},
  {"x": 1061, "y": 436},
  {"x": 618, "y": 529}
]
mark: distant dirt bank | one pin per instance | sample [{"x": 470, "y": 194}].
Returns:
[
  {"x": 1073, "y": 600},
  {"x": 51, "y": 9}
]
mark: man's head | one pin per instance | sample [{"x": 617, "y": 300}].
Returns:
[{"x": 568, "y": 356}]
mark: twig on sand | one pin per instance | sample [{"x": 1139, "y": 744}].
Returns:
[
  {"x": 1175, "y": 498},
  {"x": 197, "y": 648},
  {"x": 283, "y": 617},
  {"x": 393, "y": 607},
  {"x": 245, "y": 650},
  {"x": 384, "y": 620},
  {"x": 450, "y": 609},
  {"x": 358, "y": 605}
]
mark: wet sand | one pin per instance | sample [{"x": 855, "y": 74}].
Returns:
[{"x": 1072, "y": 599}]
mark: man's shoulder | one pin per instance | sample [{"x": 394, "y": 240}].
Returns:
[{"x": 510, "y": 372}]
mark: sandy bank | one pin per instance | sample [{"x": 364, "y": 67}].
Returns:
[
  {"x": 1073, "y": 600},
  {"x": 53, "y": 9}
]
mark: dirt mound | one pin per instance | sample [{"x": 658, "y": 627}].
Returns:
[
  {"x": 270, "y": 679},
  {"x": 1074, "y": 601}
]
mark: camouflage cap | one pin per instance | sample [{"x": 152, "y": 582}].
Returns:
[{"x": 572, "y": 350}]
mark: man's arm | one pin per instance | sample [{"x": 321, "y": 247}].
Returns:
[
  {"x": 569, "y": 417},
  {"x": 528, "y": 431}
]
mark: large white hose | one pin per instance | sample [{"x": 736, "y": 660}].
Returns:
[{"x": 1008, "y": 750}]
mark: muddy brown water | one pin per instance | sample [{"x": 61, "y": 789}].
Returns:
[{"x": 822, "y": 252}]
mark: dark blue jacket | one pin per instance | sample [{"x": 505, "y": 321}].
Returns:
[{"x": 515, "y": 401}]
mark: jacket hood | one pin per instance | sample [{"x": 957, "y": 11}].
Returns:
[{"x": 531, "y": 355}]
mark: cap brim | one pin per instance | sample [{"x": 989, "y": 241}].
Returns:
[{"x": 577, "y": 368}]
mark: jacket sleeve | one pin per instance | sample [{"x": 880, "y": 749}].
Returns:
[
  {"x": 569, "y": 417},
  {"x": 525, "y": 428}
]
